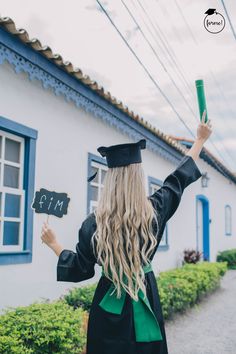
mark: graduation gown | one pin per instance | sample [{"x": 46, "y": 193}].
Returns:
[{"x": 115, "y": 333}]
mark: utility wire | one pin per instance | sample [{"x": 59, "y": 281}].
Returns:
[
  {"x": 230, "y": 23},
  {"x": 164, "y": 41},
  {"x": 196, "y": 42},
  {"x": 159, "y": 60},
  {"x": 194, "y": 114},
  {"x": 160, "y": 34},
  {"x": 152, "y": 79},
  {"x": 212, "y": 74},
  {"x": 147, "y": 72},
  {"x": 222, "y": 95},
  {"x": 186, "y": 23},
  {"x": 217, "y": 84}
]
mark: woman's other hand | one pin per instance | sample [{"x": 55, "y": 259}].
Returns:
[
  {"x": 48, "y": 236},
  {"x": 204, "y": 130}
]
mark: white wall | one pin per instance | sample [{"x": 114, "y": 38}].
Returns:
[
  {"x": 64, "y": 139},
  {"x": 221, "y": 191}
]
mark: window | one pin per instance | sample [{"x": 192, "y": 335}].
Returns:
[
  {"x": 11, "y": 192},
  {"x": 228, "y": 220},
  {"x": 17, "y": 155},
  {"x": 154, "y": 185},
  {"x": 99, "y": 165}
]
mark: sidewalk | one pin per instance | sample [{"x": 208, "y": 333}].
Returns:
[{"x": 210, "y": 327}]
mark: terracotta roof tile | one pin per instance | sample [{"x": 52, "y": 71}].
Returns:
[
  {"x": 8, "y": 24},
  {"x": 22, "y": 34}
]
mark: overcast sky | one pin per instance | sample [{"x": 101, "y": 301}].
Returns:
[{"x": 181, "y": 50}]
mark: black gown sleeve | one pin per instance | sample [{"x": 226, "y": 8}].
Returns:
[
  {"x": 167, "y": 198},
  {"x": 79, "y": 265}
]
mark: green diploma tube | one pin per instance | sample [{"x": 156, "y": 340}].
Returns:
[{"x": 201, "y": 98}]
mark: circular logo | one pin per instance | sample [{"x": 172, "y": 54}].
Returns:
[{"x": 214, "y": 22}]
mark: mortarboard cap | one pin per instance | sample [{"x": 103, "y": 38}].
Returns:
[
  {"x": 121, "y": 154},
  {"x": 210, "y": 11}
]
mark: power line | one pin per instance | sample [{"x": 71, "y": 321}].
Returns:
[
  {"x": 154, "y": 23},
  {"x": 213, "y": 76},
  {"x": 172, "y": 26},
  {"x": 186, "y": 23},
  {"x": 222, "y": 94},
  {"x": 230, "y": 23},
  {"x": 196, "y": 42},
  {"x": 147, "y": 72},
  {"x": 164, "y": 42},
  {"x": 159, "y": 60},
  {"x": 167, "y": 71},
  {"x": 152, "y": 79}
]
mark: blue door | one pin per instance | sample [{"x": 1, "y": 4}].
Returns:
[{"x": 203, "y": 226}]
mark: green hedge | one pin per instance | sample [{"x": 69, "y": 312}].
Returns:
[
  {"x": 182, "y": 287},
  {"x": 228, "y": 256},
  {"x": 43, "y": 328},
  {"x": 81, "y": 297},
  {"x": 178, "y": 288},
  {"x": 60, "y": 326}
]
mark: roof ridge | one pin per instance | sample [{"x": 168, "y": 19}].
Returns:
[
  {"x": 9, "y": 25},
  {"x": 23, "y": 35}
]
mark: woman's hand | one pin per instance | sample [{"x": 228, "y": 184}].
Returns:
[
  {"x": 48, "y": 236},
  {"x": 203, "y": 132},
  {"x": 204, "y": 129}
]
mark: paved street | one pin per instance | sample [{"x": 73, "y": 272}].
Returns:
[{"x": 209, "y": 327}]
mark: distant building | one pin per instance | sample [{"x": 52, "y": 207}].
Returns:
[{"x": 52, "y": 119}]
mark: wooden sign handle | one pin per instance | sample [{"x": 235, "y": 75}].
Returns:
[{"x": 47, "y": 222}]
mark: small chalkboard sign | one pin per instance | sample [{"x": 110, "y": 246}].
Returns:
[{"x": 50, "y": 203}]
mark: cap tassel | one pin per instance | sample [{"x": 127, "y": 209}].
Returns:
[
  {"x": 102, "y": 150},
  {"x": 92, "y": 177},
  {"x": 142, "y": 143}
]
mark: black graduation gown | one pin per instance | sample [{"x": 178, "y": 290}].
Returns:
[{"x": 111, "y": 333}]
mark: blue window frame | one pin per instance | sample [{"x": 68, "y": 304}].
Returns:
[
  {"x": 228, "y": 220},
  {"x": 17, "y": 172},
  {"x": 95, "y": 164},
  {"x": 153, "y": 185}
]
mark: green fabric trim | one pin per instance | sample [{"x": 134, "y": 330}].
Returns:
[{"x": 146, "y": 326}]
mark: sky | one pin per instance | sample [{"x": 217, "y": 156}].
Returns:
[{"x": 172, "y": 49}]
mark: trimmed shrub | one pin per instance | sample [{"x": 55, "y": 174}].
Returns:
[
  {"x": 60, "y": 327},
  {"x": 43, "y": 328},
  {"x": 176, "y": 294},
  {"x": 80, "y": 297},
  {"x": 181, "y": 288},
  {"x": 228, "y": 256}
]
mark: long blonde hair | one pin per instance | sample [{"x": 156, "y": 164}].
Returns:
[{"x": 124, "y": 239}]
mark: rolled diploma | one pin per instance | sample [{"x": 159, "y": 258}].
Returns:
[{"x": 201, "y": 98}]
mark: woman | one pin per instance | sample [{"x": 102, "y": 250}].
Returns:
[{"x": 122, "y": 235}]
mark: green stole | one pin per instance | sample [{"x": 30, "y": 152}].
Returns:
[{"x": 145, "y": 323}]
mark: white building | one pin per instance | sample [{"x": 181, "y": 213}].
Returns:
[{"x": 52, "y": 119}]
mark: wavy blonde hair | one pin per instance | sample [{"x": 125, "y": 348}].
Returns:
[{"x": 124, "y": 239}]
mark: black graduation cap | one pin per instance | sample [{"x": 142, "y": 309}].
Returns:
[
  {"x": 210, "y": 11},
  {"x": 121, "y": 154}
]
